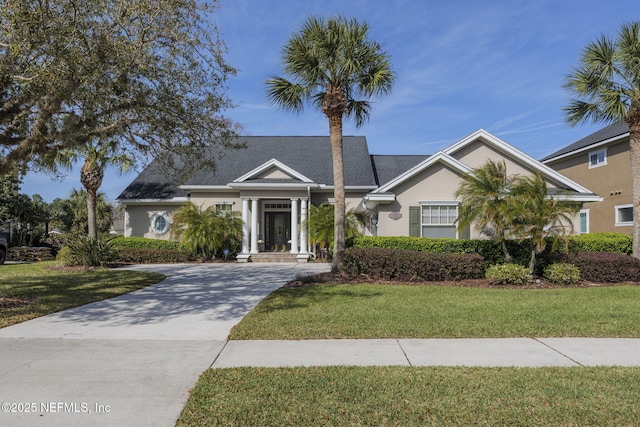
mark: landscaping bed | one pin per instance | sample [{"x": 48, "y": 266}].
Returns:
[{"x": 341, "y": 278}]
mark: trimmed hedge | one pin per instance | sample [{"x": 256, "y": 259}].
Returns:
[
  {"x": 601, "y": 242},
  {"x": 141, "y": 250},
  {"x": 492, "y": 251},
  {"x": 603, "y": 266},
  {"x": 143, "y": 242},
  {"x": 410, "y": 265},
  {"x": 152, "y": 256}
]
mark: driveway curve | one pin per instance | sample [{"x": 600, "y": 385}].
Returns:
[{"x": 130, "y": 360}]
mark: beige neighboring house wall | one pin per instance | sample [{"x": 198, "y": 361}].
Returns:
[{"x": 611, "y": 180}]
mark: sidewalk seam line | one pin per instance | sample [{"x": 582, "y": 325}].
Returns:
[
  {"x": 559, "y": 352},
  {"x": 403, "y": 352},
  {"x": 219, "y": 353}
]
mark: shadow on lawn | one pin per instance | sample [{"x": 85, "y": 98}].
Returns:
[{"x": 290, "y": 298}]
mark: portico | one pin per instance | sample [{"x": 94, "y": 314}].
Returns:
[{"x": 274, "y": 225}]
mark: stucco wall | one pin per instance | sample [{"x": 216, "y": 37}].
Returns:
[
  {"x": 611, "y": 181},
  {"x": 138, "y": 220},
  {"x": 437, "y": 183},
  {"x": 477, "y": 153}
]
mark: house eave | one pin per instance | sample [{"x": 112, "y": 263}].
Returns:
[
  {"x": 205, "y": 187},
  {"x": 585, "y": 149},
  {"x": 172, "y": 201},
  {"x": 579, "y": 198},
  {"x": 272, "y": 186}
]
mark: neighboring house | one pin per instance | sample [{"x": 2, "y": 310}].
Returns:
[
  {"x": 273, "y": 181},
  {"x": 601, "y": 162}
]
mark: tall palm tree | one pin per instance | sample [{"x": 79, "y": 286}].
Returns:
[
  {"x": 537, "y": 215},
  {"x": 484, "y": 203},
  {"x": 333, "y": 63},
  {"x": 607, "y": 89},
  {"x": 96, "y": 156}
]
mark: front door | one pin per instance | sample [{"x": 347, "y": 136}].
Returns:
[{"x": 278, "y": 231}]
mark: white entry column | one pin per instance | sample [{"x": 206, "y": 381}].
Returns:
[
  {"x": 303, "y": 226},
  {"x": 254, "y": 226},
  {"x": 245, "y": 226},
  {"x": 294, "y": 226}
]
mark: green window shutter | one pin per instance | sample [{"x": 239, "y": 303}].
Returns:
[{"x": 414, "y": 221}]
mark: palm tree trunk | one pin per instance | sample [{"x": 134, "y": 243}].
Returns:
[
  {"x": 505, "y": 251},
  {"x": 91, "y": 176},
  {"x": 91, "y": 213},
  {"x": 532, "y": 261},
  {"x": 634, "y": 153},
  {"x": 335, "y": 136}
]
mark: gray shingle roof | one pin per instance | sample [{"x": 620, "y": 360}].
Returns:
[
  {"x": 388, "y": 167},
  {"x": 307, "y": 155},
  {"x": 152, "y": 183},
  {"x": 611, "y": 131}
]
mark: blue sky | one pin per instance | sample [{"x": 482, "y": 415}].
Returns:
[{"x": 461, "y": 65}]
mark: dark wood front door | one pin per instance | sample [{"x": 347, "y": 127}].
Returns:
[{"x": 278, "y": 231}]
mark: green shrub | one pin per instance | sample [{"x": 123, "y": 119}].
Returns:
[
  {"x": 562, "y": 273},
  {"x": 601, "y": 242},
  {"x": 395, "y": 264},
  {"x": 152, "y": 256},
  {"x": 509, "y": 274},
  {"x": 88, "y": 252},
  {"x": 491, "y": 250},
  {"x": 603, "y": 266},
  {"x": 64, "y": 256},
  {"x": 143, "y": 242}
]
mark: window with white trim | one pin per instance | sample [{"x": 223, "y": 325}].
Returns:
[
  {"x": 584, "y": 221},
  {"x": 160, "y": 223},
  {"x": 624, "y": 215},
  {"x": 224, "y": 207},
  {"x": 439, "y": 219},
  {"x": 597, "y": 158}
]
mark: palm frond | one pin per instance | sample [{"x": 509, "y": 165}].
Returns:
[
  {"x": 287, "y": 95},
  {"x": 607, "y": 81}
]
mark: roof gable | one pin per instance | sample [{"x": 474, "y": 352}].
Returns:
[
  {"x": 273, "y": 169},
  {"x": 448, "y": 157},
  {"x": 439, "y": 157}
]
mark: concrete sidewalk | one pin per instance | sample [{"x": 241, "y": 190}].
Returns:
[{"x": 484, "y": 352}]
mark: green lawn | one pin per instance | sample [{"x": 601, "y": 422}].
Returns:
[
  {"x": 385, "y": 311},
  {"x": 433, "y": 396},
  {"x": 410, "y": 396},
  {"x": 56, "y": 290}
]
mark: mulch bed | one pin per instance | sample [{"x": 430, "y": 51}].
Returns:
[
  {"x": 15, "y": 302},
  {"x": 339, "y": 278}
]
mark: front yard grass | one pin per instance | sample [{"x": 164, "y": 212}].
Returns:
[
  {"x": 388, "y": 311},
  {"x": 28, "y": 291},
  {"x": 411, "y": 396}
]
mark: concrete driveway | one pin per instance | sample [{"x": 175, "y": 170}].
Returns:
[{"x": 130, "y": 360}]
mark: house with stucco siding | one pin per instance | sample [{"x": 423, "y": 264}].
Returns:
[{"x": 273, "y": 181}]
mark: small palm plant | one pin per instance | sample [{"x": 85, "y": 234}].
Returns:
[
  {"x": 321, "y": 226},
  {"x": 484, "y": 202},
  {"x": 207, "y": 232},
  {"x": 537, "y": 215}
]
